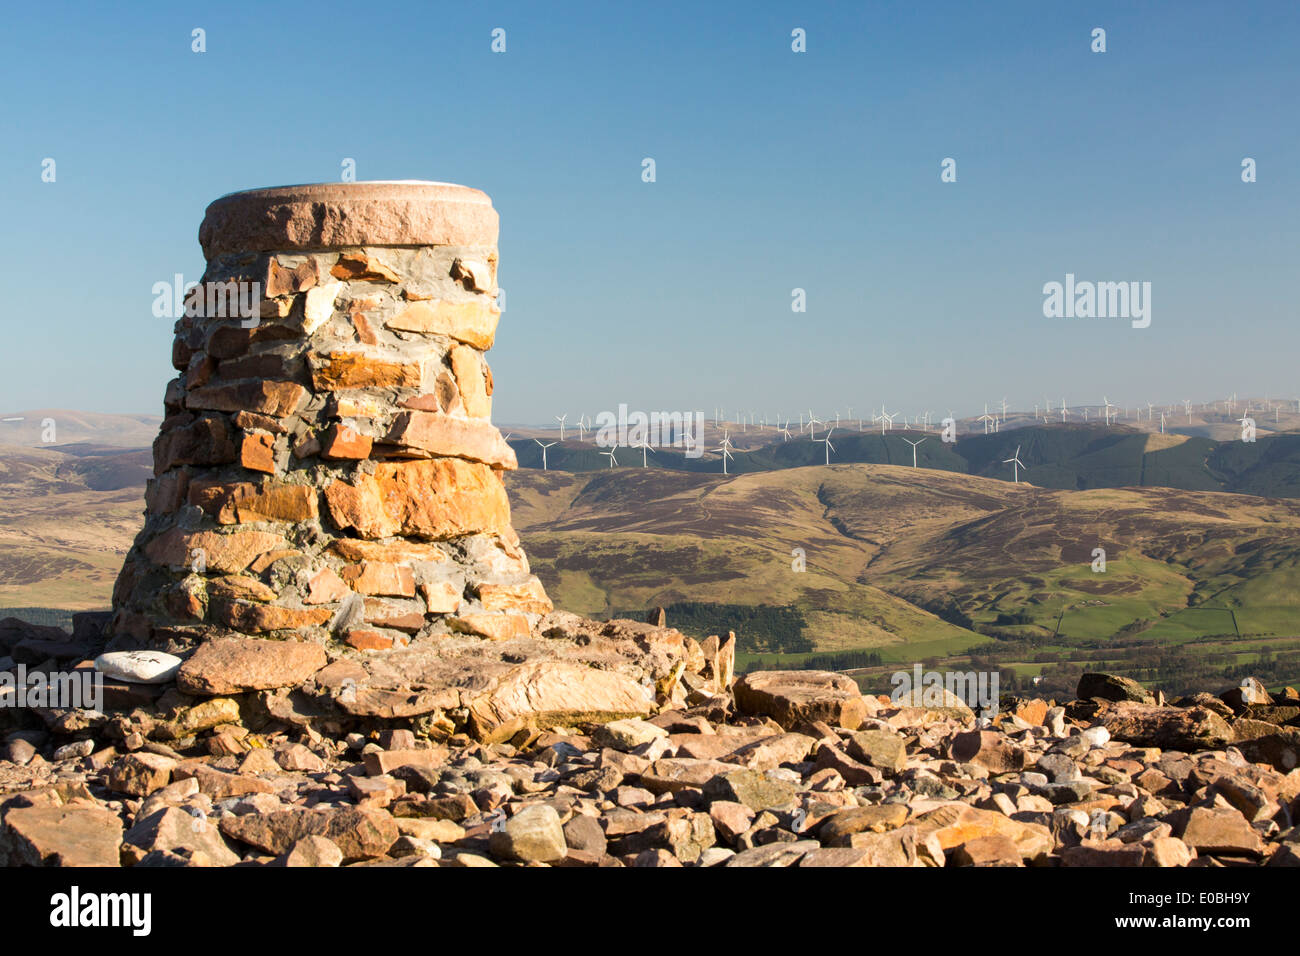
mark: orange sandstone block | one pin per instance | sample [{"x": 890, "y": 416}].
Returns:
[
  {"x": 374, "y": 577},
  {"x": 343, "y": 441},
  {"x": 257, "y": 452}
]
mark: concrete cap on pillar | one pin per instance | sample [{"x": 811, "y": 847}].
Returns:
[{"x": 338, "y": 215}]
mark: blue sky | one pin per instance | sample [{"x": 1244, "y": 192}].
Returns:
[{"x": 775, "y": 170}]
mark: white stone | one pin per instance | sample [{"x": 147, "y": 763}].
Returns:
[
  {"x": 716, "y": 856},
  {"x": 478, "y": 272},
  {"x": 319, "y": 306},
  {"x": 1096, "y": 736},
  {"x": 1055, "y": 721},
  {"x": 138, "y": 667}
]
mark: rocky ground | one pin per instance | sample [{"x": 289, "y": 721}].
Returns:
[{"x": 621, "y": 744}]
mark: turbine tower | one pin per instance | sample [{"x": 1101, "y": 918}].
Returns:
[
  {"x": 725, "y": 448},
  {"x": 610, "y": 455},
  {"x": 913, "y": 444},
  {"x": 829, "y": 447},
  {"x": 544, "y": 447},
  {"x": 1016, "y": 463},
  {"x": 560, "y": 419}
]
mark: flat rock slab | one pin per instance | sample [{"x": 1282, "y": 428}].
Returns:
[
  {"x": 583, "y": 671},
  {"x": 325, "y": 215},
  {"x": 236, "y": 665},
  {"x": 795, "y": 697},
  {"x": 60, "y": 836},
  {"x": 358, "y": 833},
  {"x": 1170, "y": 728},
  {"x": 957, "y": 823}
]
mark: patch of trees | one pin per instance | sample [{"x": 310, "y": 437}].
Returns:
[{"x": 760, "y": 629}]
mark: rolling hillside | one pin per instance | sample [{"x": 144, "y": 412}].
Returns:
[
  {"x": 901, "y": 556},
  {"x": 67, "y": 518}
]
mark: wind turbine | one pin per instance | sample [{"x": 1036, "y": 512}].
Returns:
[
  {"x": 812, "y": 425},
  {"x": 886, "y": 417},
  {"x": 986, "y": 418},
  {"x": 644, "y": 448},
  {"x": 1108, "y": 407},
  {"x": 582, "y": 429},
  {"x": 560, "y": 419},
  {"x": 1015, "y": 463},
  {"x": 913, "y": 444},
  {"x": 725, "y": 448},
  {"x": 785, "y": 429},
  {"x": 829, "y": 447},
  {"x": 610, "y": 454},
  {"x": 1162, "y": 423},
  {"x": 544, "y": 447}
]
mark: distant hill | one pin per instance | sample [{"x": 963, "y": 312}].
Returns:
[
  {"x": 29, "y": 428},
  {"x": 935, "y": 560},
  {"x": 1067, "y": 456},
  {"x": 68, "y": 515}
]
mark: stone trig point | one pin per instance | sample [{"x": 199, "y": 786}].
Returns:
[{"x": 328, "y": 470}]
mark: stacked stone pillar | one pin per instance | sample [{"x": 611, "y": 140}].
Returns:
[{"x": 327, "y": 469}]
